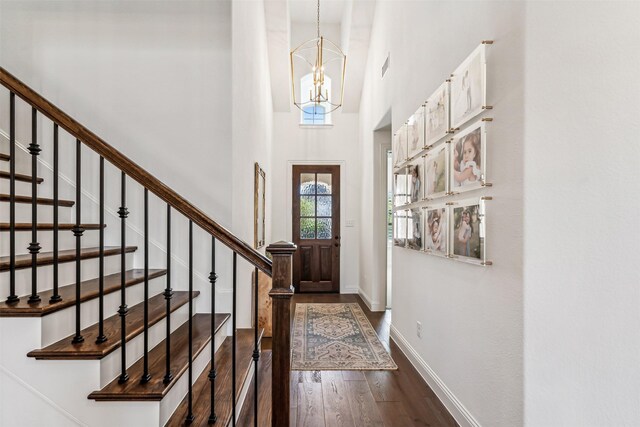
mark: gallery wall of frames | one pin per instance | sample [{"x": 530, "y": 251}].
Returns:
[{"x": 438, "y": 154}]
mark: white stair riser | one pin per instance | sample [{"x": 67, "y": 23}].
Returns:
[
  {"x": 66, "y": 240},
  {"x": 45, "y": 212}
]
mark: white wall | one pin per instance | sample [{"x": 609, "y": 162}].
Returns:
[
  {"x": 582, "y": 325},
  {"x": 338, "y": 144},
  {"x": 472, "y": 316},
  {"x": 252, "y": 130}
]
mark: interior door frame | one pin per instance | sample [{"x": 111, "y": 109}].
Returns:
[{"x": 343, "y": 185}]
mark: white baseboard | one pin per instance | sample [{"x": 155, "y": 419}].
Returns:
[
  {"x": 446, "y": 396},
  {"x": 373, "y": 305}
]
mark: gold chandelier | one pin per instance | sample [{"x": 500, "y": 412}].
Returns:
[{"x": 309, "y": 63}]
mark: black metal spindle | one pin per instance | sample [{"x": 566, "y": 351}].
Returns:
[
  {"x": 213, "y": 277},
  {"x": 146, "y": 376},
  {"x": 78, "y": 231},
  {"x": 256, "y": 351},
  {"x": 168, "y": 293},
  {"x": 101, "y": 336},
  {"x": 190, "y": 417},
  {"x": 34, "y": 246},
  {"x": 56, "y": 296},
  {"x": 12, "y": 298},
  {"x": 123, "y": 212},
  {"x": 233, "y": 339}
]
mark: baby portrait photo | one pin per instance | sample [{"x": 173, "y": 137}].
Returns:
[
  {"x": 437, "y": 114},
  {"x": 414, "y": 171},
  {"x": 467, "y": 159},
  {"x": 400, "y": 146},
  {"x": 437, "y": 236},
  {"x": 468, "y": 88},
  {"x": 414, "y": 227},
  {"x": 415, "y": 132},
  {"x": 400, "y": 228},
  {"x": 467, "y": 241},
  {"x": 435, "y": 172}
]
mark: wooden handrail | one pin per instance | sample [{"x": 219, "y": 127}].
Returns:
[{"x": 134, "y": 171}]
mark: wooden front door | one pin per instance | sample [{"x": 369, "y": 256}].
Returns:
[{"x": 316, "y": 228}]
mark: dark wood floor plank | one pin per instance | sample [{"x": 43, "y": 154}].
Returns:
[
  {"x": 363, "y": 406},
  {"x": 89, "y": 349},
  {"x": 310, "y": 405},
  {"x": 89, "y": 289},
  {"x": 39, "y": 200},
  {"x": 394, "y": 414},
  {"x": 353, "y": 376},
  {"x": 337, "y": 411},
  {"x": 46, "y": 258},
  {"x": 156, "y": 389},
  {"x": 384, "y": 386}
]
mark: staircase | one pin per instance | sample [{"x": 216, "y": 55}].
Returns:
[{"x": 102, "y": 341}]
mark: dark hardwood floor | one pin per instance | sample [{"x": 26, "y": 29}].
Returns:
[{"x": 352, "y": 398}]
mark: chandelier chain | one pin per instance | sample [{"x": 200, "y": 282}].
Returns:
[{"x": 318, "y": 19}]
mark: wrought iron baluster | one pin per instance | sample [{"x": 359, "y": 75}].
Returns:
[
  {"x": 101, "y": 337},
  {"x": 34, "y": 246},
  {"x": 233, "y": 338},
  {"x": 56, "y": 165},
  {"x": 168, "y": 293},
  {"x": 213, "y": 278},
  {"x": 77, "y": 232},
  {"x": 12, "y": 298},
  {"x": 256, "y": 351},
  {"x": 190, "y": 417},
  {"x": 146, "y": 376},
  {"x": 123, "y": 310}
]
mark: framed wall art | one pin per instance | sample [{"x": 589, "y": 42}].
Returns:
[
  {"x": 415, "y": 133},
  {"x": 436, "y": 230},
  {"x": 415, "y": 178},
  {"x": 259, "y": 208},
  {"x": 437, "y": 115},
  {"x": 400, "y": 228},
  {"x": 468, "y": 231},
  {"x": 414, "y": 229},
  {"x": 400, "y": 188},
  {"x": 469, "y": 88},
  {"x": 436, "y": 172},
  {"x": 399, "y": 148},
  {"x": 468, "y": 159}
]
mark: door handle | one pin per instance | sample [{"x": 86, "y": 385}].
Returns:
[{"x": 336, "y": 245}]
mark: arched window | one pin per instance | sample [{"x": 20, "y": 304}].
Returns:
[{"x": 314, "y": 114}]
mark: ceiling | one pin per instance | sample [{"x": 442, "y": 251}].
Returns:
[{"x": 348, "y": 22}]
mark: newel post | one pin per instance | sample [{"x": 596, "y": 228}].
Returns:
[{"x": 281, "y": 293}]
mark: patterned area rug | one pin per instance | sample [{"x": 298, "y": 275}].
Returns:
[{"x": 336, "y": 337}]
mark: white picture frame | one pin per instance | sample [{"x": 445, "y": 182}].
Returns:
[
  {"x": 469, "y": 88},
  {"x": 468, "y": 232},
  {"x": 400, "y": 228},
  {"x": 415, "y": 133},
  {"x": 399, "y": 149},
  {"x": 436, "y": 172},
  {"x": 400, "y": 187},
  {"x": 436, "y": 220},
  {"x": 437, "y": 115},
  {"x": 415, "y": 181},
  {"x": 468, "y": 159},
  {"x": 415, "y": 226}
]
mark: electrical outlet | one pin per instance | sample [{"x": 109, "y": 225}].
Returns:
[{"x": 419, "y": 329}]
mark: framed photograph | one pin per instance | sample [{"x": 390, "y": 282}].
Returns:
[
  {"x": 468, "y": 159},
  {"x": 415, "y": 133},
  {"x": 437, "y": 115},
  {"x": 400, "y": 188},
  {"x": 400, "y": 228},
  {"x": 468, "y": 232},
  {"x": 415, "y": 178},
  {"x": 414, "y": 229},
  {"x": 469, "y": 88},
  {"x": 399, "y": 149},
  {"x": 436, "y": 172},
  {"x": 436, "y": 230},
  {"x": 259, "y": 209}
]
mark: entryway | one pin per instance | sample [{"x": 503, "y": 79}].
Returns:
[{"x": 316, "y": 228}]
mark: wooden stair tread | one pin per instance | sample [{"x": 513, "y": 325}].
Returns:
[
  {"x": 39, "y": 200},
  {"x": 5, "y": 157},
  {"x": 46, "y": 258},
  {"x": 155, "y": 389},
  {"x": 202, "y": 386},
  {"x": 20, "y": 177},
  {"x": 89, "y": 349},
  {"x": 89, "y": 290},
  {"x": 26, "y": 226}
]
